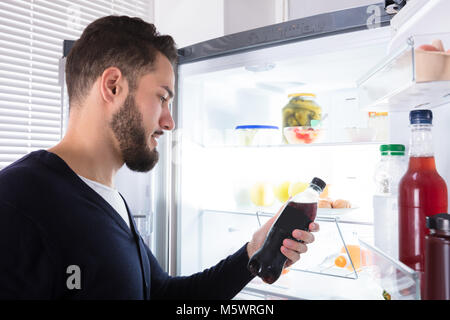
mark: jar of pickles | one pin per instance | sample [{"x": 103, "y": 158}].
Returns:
[{"x": 301, "y": 111}]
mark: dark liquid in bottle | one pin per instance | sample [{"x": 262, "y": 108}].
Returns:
[
  {"x": 437, "y": 267},
  {"x": 268, "y": 261},
  {"x": 422, "y": 192}
]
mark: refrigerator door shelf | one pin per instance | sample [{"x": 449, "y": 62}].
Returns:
[
  {"x": 373, "y": 275},
  {"x": 377, "y": 275},
  {"x": 409, "y": 78}
]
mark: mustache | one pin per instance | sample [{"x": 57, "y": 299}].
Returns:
[{"x": 158, "y": 133}]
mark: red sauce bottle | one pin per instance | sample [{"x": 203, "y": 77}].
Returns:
[
  {"x": 422, "y": 193},
  {"x": 437, "y": 258}
]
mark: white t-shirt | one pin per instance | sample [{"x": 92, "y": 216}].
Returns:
[{"x": 111, "y": 196}]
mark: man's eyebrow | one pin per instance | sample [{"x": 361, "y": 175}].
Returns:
[{"x": 168, "y": 91}]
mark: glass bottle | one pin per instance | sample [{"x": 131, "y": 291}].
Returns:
[{"x": 422, "y": 192}]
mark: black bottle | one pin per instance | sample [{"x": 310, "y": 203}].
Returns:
[{"x": 298, "y": 213}]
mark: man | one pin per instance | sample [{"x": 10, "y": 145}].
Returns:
[{"x": 65, "y": 232}]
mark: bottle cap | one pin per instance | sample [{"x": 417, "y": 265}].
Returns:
[
  {"x": 439, "y": 222},
  {"x": 319, "y": 182},
  {"x": 397, "y": 149},
  {"x": 384, "y": 149},
  {"x": 420, "y": 117},
  {"x": 392, "y": 149}
]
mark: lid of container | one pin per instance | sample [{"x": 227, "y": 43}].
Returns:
[
  {"x": 377, "y": 114},
  {"x": 384, "y": 148},
  {"x": 392, "y": 149},
  {"x": 319, "y": 182},
  {"x": 421, "y": 117},
  {"x": 397, "y": 149},
  {"x": 301, "y": 94},
  {"x": 256, "y": 126},
  {"x": 439, "y": 222}
]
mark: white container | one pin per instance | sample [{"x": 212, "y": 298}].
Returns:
[
  {"x": 257, "y": 135},
  {"x": 388, "y": 173}
]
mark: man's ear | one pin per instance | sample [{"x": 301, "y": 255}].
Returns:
[{"x": 111, "y": 84}]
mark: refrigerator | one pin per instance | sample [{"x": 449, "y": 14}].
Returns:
[
  {"x": 222, "y": 169},
  {"x": 362, "y": 74}
]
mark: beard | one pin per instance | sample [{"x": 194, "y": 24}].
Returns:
[{"x": 127, "y": 126}]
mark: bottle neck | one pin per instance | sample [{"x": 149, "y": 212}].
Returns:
[
  {"x": 421, "y": 141},
  {"x": 310, "y": 195}
]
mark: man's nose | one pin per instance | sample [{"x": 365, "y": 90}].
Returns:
[{"x": 167, "y": 122}]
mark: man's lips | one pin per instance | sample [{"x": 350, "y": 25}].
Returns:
[{"x": 155, "y": 136}]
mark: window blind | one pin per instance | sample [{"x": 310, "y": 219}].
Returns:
[{"x": 31, "y": 40}]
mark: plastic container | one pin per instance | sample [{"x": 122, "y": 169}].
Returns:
[
  {"x": 432, "y": 65},
  {"x": 302, "y": 135},
  {"x": 257, "y": 135},
  {"x": 379, "y": 122},
  {"x": 388, "y": 173},
  {"x": 361, "y": 134}
]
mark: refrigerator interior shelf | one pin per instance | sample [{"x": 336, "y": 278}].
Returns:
[
  {"x": 316, "y": 144},
  {"x": 409, "y": 78}
]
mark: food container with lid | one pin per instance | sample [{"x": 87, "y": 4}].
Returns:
[
  {"x": 257, "y": 135},
  {"x": 300, "y": 110},
  {"x": 302, "y": 135}
]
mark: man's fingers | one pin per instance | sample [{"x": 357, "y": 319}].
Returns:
[
  {"x": 304, "y": 236},
  {"x": 293, "y": 256},
  {"x": 295, "y": 246},
  {"x": 314, "y": 227}
]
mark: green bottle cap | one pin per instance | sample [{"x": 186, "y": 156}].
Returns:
[
  {"x": 397, "y": 149},
  {"x": 392, "y": 149}
]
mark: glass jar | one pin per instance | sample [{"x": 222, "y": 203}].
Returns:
[
  {"x": 301, "y": 111},
  {"x": 379, "y": 121}
]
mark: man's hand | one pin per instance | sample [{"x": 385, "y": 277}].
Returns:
[{"x": 290, "y": 248}]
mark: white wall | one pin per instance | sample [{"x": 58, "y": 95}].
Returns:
[
  {"x": 190, "y": 21},
  {"x": 193, "y": 21},
  {"x": 241, "y": 15},
  {"x": 305, "y": 8}
]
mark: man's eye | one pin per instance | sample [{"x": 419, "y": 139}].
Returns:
[{"x": 163, "y": 99}]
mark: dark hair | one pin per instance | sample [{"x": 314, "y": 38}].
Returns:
[{"x": 127, "y": 43}]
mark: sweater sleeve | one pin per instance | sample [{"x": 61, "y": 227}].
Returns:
[
  {"x": 26, "y": 270},
  {"x": 220, "y": 282}
]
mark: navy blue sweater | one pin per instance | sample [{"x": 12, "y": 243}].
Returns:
[{"x": 51, "y": 220}]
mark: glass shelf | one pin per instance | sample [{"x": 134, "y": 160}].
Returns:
[
  {"x": 408, "y": 78},
  {"x": 318, "y": 144},
  {"x": 396, "y": 279},
  {"x": 373, "y": 275}
]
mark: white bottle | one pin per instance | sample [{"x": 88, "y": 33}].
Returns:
[{"x": 388, "y": 173}]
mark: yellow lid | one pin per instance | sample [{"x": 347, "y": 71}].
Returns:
[
  {"x": 340, "y": 262},
  {"x": 374, "y": 114},
  {"x": 301, "y": 94}
]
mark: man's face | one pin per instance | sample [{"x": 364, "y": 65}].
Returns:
[{"x": 144, "y": 115}]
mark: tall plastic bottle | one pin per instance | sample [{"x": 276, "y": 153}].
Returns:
[
  {"x": 297, "y": 213},
  {"x": 387, "y": 176},
  {"x": 422, "y": 193}
]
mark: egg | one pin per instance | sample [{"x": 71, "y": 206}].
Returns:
[
  {"x": 323, "y": 203},
  {"x": 341, "y": 204}
]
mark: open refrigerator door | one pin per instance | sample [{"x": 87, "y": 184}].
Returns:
[{"x": 259, "y": 114}]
